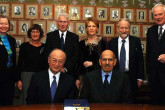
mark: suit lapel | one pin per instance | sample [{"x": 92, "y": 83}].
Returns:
[{"x": 67, "y": 41}]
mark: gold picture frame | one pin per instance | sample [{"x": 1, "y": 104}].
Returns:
[
  {"x": 4, "y": 9},
  {"x": 129, "y": 13},
  {"x": 80, "y": 29},
  {"x": 13, "y": 27},
  {"x": 141, "y": 15},
  {"x": 19, "y": 41},
  {"x": 115, "y": 14},
  {"x": 145, "y": 29},
  {"x": 51, "y": 25},
  {"x": 59, "y": 9},
  {"x": 17, "y": 10},
  {"x": 88, "y": 11},
  {"x": 151, "y": 17},
  {"x": 74, "y": 12},
  {"x": 32, "y": 11},
  {"x": 23, "y": 26},
  {"x": 135, "y": 30},
  {"x": 46, "y": 11},
  {"x": 108, "y": 30},
  {"x": 102, "y": 13}
]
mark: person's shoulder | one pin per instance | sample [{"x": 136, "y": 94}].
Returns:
[
  {"x": 93, "y": 74},
  {"x": 67, "y": 77},
  {"x": 10, "y": 37},
  {"x": 41, "y": 74},
  {"x": 119, "y": 74},
  {"x": 113, "y": 40},
  {"x": 72, "y": 34},
  {"x": 49, "y": 34},
  {"x": 153, "y": 27}
]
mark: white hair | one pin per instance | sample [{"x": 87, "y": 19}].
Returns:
[
  {"x": 63, "y": 14},
  {"x": 123, "y": 19},
  {"x": 163, "y": 6}
]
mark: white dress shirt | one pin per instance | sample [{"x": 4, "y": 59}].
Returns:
[
  {"x": 64, "y": 36},
  {"x": 51, "y": 77}
]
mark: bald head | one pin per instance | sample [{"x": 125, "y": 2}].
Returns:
[{"x": 107, "y": 52}]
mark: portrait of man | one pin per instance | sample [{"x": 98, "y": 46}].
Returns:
[
  {"x": 115, "y": 14},
  {"x": 141, "y": 15},
  {"x": 46, "y": 12},
  {"x": 18, "y": 43},
  {"x": 32, "y": 11},
  {"x": 24, "y": 27},
  {"x": 2, "y": 10},
  {"x": 88, "y": 13},
  {"x": 108, "y": 29},
  {"x": 134, "y": 30},
  {"x": 52, "y": 27},
  {"x": 81, "y": 29},
  {"x": 74, "y": 12},
  {"x": 17, "y": 10},
  {"x": 128, "y": 15},
  {"x": 101, "y": 13}
]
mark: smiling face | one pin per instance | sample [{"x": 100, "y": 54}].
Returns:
[
  {"x": 63, "y": 23},
  {"x": 91, "y": 28},
  {"x": 124, "y": 29},
  {"x": 4, "y": 26},
  {"x": 159, "y": 15},
  {"x": 35, "y": 35}
]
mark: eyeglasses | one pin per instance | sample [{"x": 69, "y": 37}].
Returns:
[
  {"x": 61, "y": 62},
  {"x": 63, "y": 22},
  {"x": 37, "y": 32}
]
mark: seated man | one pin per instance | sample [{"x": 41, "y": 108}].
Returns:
[
  {"x": 106, "y": 85},
  {"x": 51, "y": 86}
]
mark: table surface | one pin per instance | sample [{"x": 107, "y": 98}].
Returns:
[{"x": 92, "y": 107}]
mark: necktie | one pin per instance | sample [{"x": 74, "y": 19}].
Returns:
[
  {"x": 122, "y": 57},
  {"x": 62, "y": 41},
  {"x": 53, "y": 88},
  {"x": 106, "y": 81},
  {"x": 160, "y": 33},
  {"x": 106, "y": 89}
]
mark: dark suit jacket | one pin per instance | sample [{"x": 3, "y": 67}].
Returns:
[
  {"x": 5, "y": 72},
  {"x": 71, "y": 48},
  {"x": 39, "y": 89},
  {"x": 136, "y": 62},
  {"x": 155, "y": 69},
  {"x": 92, "y": 89}
]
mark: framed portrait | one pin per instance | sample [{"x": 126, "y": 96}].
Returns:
[
  {"x": 71, "y": 27},
  {"x": 19, "y": 41},
  {"x": 141, "y": 15},
  {"x": 51, "y": 26},
  {"x": 143, "y": 44},
  {"x": 135, "y": 30},
  {"x": 13, "y": 27},
  {"x": 102, "y": 13},
  {"x": 43, "y": 40},
  {"x": 31, "y": 11},
  {"x": 17, "y": 10},
  {"x": 59, "y": 9},
  {"x": 88, "y": 11},
  {"x": 80, "y": 29},
  {"x": 151, "y": 17},
  {"x": 145, "y": 29},
  {"x": 23, "y": 26},
  {"x": 115, "y": 14},
  {"x": 108, "y": 30},
  {"x": 42, "y": 24},
  {"x": 129, "y": 13},
  {"x": 100, "y": 30},
  {"x": 4, "y": 9},
  {"x": 74, "y": 12},
  {"x": 46, "y": 11}
]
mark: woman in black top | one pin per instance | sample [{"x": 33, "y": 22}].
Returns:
[
  {"x": 90, "y": 48},
  {"x": 30, "y": 59}
]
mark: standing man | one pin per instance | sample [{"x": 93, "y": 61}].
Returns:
[
  {"x": 129, "y": 54},
  {"x": 66, "y": 41},
  {"x": 155, "y": 56},
  {"x": 51, "y": 86},
  {"x": 105, "y": 85}
]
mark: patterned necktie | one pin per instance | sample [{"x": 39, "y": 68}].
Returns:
[
  {"x": 62, "y": 41},
  {"x": 53, "y": 88},
  {"x": 122, "y": 57},
  {"x": 160, "y": 33}
]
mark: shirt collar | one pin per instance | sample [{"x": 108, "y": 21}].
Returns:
[
  {"x": 51, "y": 74},
  {"x": 62, "y": 32},
  {"x": 126, "y": 40},
  {"x": 103, "y": 73}
]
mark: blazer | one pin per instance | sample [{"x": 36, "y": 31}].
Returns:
[
  {"x": 71, "y": 48},
  {"x": 39, "y": 89},
  {"x": 136, "y": 61},
  {"x": 155, "y": 69},
  {"x": 92, "y": 88},
  {"x": 5, "y": 72}
]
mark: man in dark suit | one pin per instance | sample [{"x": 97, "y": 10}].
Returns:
[
  {"x": 65, "y": 40},
  {"x": 128, "y": 50},
  {"x": 41, "y": 86},
  {"x": 155, "y": 55},
  {"x": 105, "y": 85}
]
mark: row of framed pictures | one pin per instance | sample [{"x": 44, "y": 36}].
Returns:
[
  {"x": 76, "y": 12},
  {"x": 106, "y": 29}
]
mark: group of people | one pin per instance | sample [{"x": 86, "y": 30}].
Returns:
[{"x": 92, "y": 69}]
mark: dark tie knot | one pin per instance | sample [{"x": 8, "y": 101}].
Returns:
[
  {"x": 106, "y": 76},
  {"x": 54, "y": 77},
  {"x": 123, "y": 41},
  {"x": 62, "y": 35}
]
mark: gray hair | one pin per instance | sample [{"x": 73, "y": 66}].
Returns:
[
  {"x": 163, "y": 6},
  {"x": 63, "y": 14},
  {"x": 123, "y": 19}
]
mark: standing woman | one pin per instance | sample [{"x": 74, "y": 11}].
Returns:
[
  {"x": 7, "y": 63},
  {"x": 90, "y": 48},
  {"x": 30, "y": 59}
]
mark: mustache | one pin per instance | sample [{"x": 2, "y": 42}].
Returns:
[{"x": 107, "y": 65}]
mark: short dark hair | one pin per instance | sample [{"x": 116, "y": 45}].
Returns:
[
  {"x": 93, "y": 20},
  {"x": 37, "y": 27},
  {"x": 4, "y": 16}
]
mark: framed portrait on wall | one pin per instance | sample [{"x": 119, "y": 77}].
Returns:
[
  {"x": 80, "y": 29},
  {"x": 71, "y": 27},
  {"x": 59, "y": 9},
  {"x": 4, "y": 9},
  {"x": 13, "y": 27},
  {"x": 46, "y": 11},
  {"x": 100, "y": 30},
  {"x": 43, "y": 40},
  {"x": 151, "y": 17},
  {"x": 74, "y": 12},
  {"x": 102, "y": 13},
  {"x": 115, "y": 14},
  {"x": 51, "y": 26},
  {"x": 143, "y": 45},
  {"x": 42, "y": 23},
  {"x": 129, "y": 13},
  {"x": 23, "y": 26},
  {"x": 17, "y": 10},
  {"x": 145, "y": 29},
  {"x": 141, "y": 15},
  {"x": 19, "y": 41},
  {"x": 108, "y": 30},
  {"x": 135, "y": 30},
  {"x": 88, "y": 11},
  {"x": 31, "y": 11}
]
